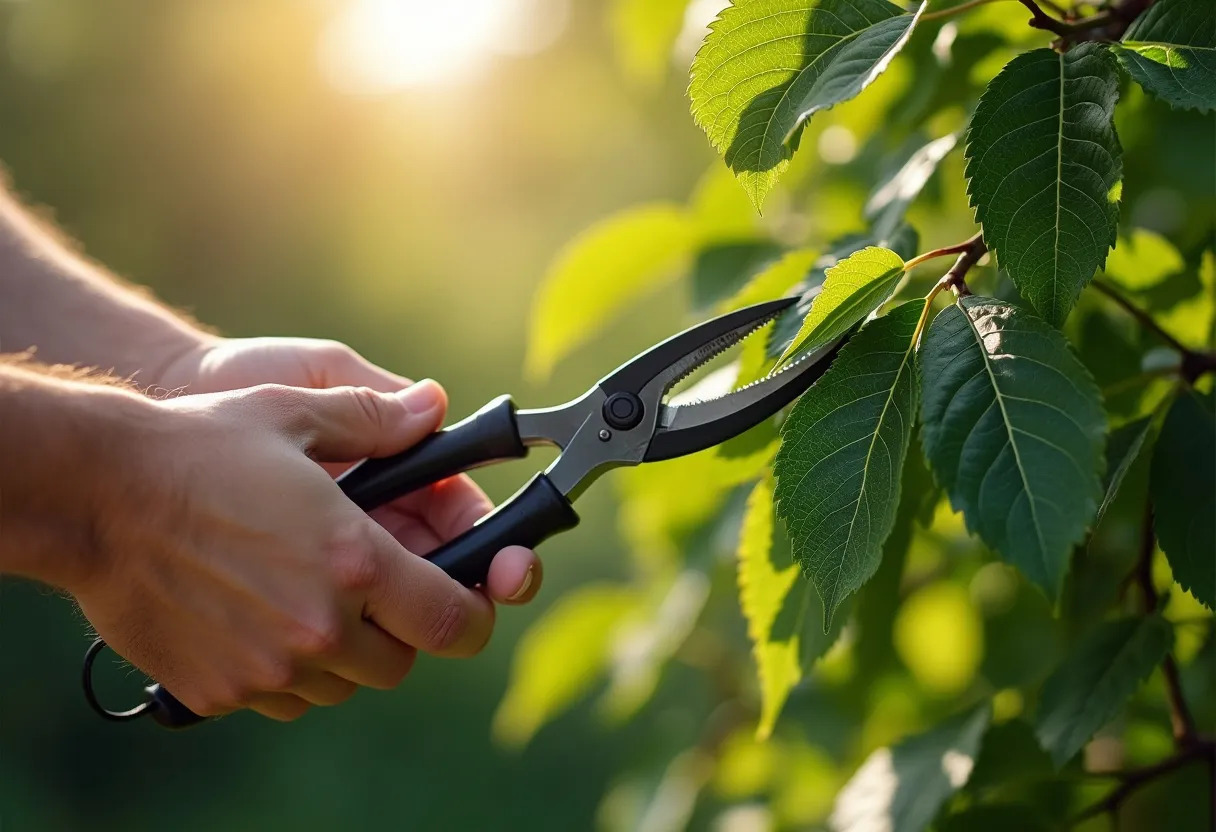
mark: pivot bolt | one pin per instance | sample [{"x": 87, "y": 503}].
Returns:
[
  {"x": 605, "y": 434},
  {"x": 623, "y": 411}
]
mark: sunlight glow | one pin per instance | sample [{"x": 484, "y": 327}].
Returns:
[{"x": 378, "y": 46}]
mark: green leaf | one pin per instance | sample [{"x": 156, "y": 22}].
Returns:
[
  {"x": 723, "y": 268},
  {"x": 890, "y": 200},
  {"x": 644, "y": 33},
  {"x": 854, "y": 288},
  {"x": 765, "y": 581},
  {"x": 841, "y": 455},
  {"x": 1045, "y": 168},
  {"x": 618, "y": 260},
  {"x": 903, "y": 241},
  {"x": 768, "y": 65},
  {"x": 560, "y": 657},
  {"x": 775, "y": 280},
  {"x": 1096, "y": 679},
  {"x": 1014, "y": 431},
  {"x": 901, "y": 788},
  {"x": 1171, "y": 51},
  {"x": 1182, "y": 483},
  {"x": 1143, "y": 260},
  {"x": 1122, "y": 449}
]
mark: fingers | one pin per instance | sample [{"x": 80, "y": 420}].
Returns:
[
  {"x": 515, "y": 576},
  {"x": 447, "y": 508},
  {"x": 347, "y": 423},
  {"x": 320, "y": 687},
  {"x": 283, "y": 707},
  {"x": 338, "y": 365},
  {"x": 372, "y": 658},
  {"x": 414, "y": 601}
]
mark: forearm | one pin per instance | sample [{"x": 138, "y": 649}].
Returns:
[
  {"x": 61, "y": 461},
  {"x": 71, "y": 312}
]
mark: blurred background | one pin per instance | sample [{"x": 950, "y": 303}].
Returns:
[
  {"x": 393, "y": 175},
  {"x": 399, "y": 175}
]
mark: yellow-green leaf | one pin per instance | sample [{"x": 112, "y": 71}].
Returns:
[
  {"x": 775, "y": 280},
  {"x": 854, "y": 288},
  {"x": 763, "y": 587},
  {"x": 560, "y": 658},
  {"x": 768, "y": 65}
]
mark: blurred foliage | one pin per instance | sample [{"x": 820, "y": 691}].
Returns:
[{"x": 199, "y": 147}]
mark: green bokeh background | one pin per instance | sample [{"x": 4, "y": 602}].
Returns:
[{"x": 193, "y": 146}]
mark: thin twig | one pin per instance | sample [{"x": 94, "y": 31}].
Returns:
[
  {"x": 1181, "y": 718},
  {"x": 953, "y": 10},
  {"x": 970, "y": 242},
  {"x": 1139, "y": 314},
  {"x": 1136, "y": 778}
]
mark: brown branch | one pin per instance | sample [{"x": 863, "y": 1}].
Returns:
[
  {"x": 1139, "y": 314},
  {"x": 1181, "y": 719},
  {"x": 1136, "y": 778},
  {"x": 965, "y": 245},
  {"x": 956, "y": 278}
]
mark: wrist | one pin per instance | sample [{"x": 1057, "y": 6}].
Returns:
[{"x": 66, "y": 445}]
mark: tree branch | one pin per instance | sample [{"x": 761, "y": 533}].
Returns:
[
  {"x": 1139, "y": 314},
  {"x": 1136, "y": 778},
  {"x": 956, "y": 278}
]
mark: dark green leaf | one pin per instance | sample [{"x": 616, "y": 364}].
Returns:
[
  {"x": 842, "y": 453},
  {"x": 901, "y": 789},
  {"x": 996, "y": 817},
  {"x": 854, "y": 288},
  {"x": 1122, "y": 449},
  {"x": 1183, "y": 488},
  {"x": 722, "y": 269},
  {"x": 1044, "y": 167},
  {"x": 1013, "y": 429},
  {"x": 768, "y": 65},
  {"x": 1096, "y": 679},
  {"x": 1171, "y": 51}
]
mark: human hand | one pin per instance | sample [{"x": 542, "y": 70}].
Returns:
[
  {"x": 220, "y": 364},
  {"x": 231, "y": 568}
]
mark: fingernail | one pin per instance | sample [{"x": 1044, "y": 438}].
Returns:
[
  {"x": 523, "y": 588},
  {"x": 421, "y": 398}
]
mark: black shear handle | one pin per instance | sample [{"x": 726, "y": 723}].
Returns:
[{"x": 489, "y": 435}]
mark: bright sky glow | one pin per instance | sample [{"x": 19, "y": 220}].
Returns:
[{"x": 377, "y": 46}]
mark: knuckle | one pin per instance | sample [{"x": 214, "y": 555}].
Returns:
[
  {"x": 352, "y": 559},
  {"x": 275, "y": 673},
  {"x": 446, "y": 628},
  {"x": 335, "y": 352},
  {"x": 322, "y": 636}
]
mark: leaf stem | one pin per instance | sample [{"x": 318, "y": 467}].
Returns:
[
  {"x": 1136, "y": 778},
  {"x": 955, "y": 279},
  {"x": 1139, "y": 314},
  {"x": 953, "y": 249}
]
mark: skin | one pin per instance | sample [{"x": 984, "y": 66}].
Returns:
[{"x": 200, "y": 531}]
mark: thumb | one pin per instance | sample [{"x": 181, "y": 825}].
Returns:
[{"x": 342, "y": 424}]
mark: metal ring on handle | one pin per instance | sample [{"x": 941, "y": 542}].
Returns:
[{"x": 87, "y": 681}]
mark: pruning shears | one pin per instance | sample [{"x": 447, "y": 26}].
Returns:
[{"x": 626, "y": 418}]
